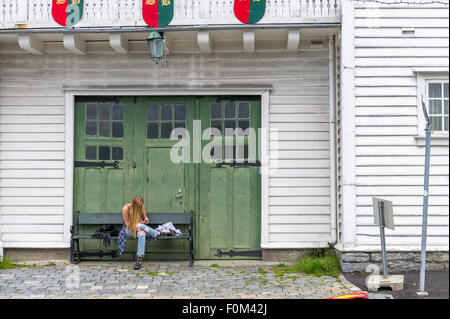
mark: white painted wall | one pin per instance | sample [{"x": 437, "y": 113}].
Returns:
[
  {"x": 389, "y": 156},
  {"x": 32, "y": 129}
]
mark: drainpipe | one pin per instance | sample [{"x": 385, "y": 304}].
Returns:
[
  {"x": 332, "y": 123},
  {"x": 1, "y": 245}
]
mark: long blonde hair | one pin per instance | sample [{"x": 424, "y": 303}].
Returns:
[{"x": 135, "y": 214}]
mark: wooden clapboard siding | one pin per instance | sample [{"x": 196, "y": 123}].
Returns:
[
  {"x": 389, "y": 159},
  {"x": 32, "y": 127}
]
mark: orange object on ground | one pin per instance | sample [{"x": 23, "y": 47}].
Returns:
[{"x": 356, "y": 295}]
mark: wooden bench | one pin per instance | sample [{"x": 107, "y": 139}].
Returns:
[{"x": 117, "y": 219}]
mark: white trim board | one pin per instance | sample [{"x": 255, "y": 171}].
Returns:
[{"x": 70, "y": 94}]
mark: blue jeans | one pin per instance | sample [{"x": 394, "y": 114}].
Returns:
[{"x": 141, "y": 237}]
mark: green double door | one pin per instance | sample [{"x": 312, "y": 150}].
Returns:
[{"x": 123, "y": 148}]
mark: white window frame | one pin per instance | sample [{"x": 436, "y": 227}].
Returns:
[{"x": 423, "y": 79}]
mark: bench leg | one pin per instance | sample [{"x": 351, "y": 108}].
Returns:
[{"x": 191, "y": 252}]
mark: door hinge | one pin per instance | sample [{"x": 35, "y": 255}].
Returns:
[
  {"x": 232, "y": 253},
  {"x": 102, "y": 164},
  {"x": 233, "y": 164}
]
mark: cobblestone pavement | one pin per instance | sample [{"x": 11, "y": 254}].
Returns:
[{"x": 165, "y": 281}]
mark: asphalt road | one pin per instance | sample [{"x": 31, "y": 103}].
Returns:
[{"x": 436, "y": 284}]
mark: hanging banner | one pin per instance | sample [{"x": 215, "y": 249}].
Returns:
[
  {"x": 249, "y": 11},
  {"x": 157, "y": 13},
  {"x": 67, "y": 12}
]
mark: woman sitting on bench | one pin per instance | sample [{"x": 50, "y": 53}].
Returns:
[{"x": 135, "y": 220}]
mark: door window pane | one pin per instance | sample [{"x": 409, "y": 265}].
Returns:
[
  {"x": 117, "y": 153},
  {"x": 91, "y": 129},
  {"x": 91, "y": 111},
  {"x": 117, "y": 130},
  {"x": 105, "y": 130},
  {"x": 105, "y": 111},
  {"x": 153, "y": 112},
  {"x": 230, "y": 110},
  {"x": 244, "y": 125},
  {"x": 104, "y": 153},
  {"x": 244, "y": 110},
  {"x": 216, "y": 110},
  {"x": 166, "y": 112},
  {"x": 182, "y": 128},
  {"x": 91, "y": 153},
  {"x": 218, "y": 126},
  {"x": 180, "y": 112},
  {"x": 446, "y": 123},
  {"x": 446, "y": 107},
  {"x": 229, "y": 128},
  {"x": 166, "y": 129},
  {"x": 152, "y": 130},
  {"x": 446, "y": 90},
  {"x": 118, "y": 112}
]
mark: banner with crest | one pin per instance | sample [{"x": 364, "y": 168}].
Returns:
[
  {"x": 157, "y": 13},
  {"x": 249, "y": 11},
  {"x": 67, "y": 12}
]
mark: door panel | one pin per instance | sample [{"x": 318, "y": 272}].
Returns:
[
  {"x": 165, "y": 182},
  {"x": 229, "y": 195}
]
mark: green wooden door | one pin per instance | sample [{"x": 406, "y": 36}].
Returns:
[
  {"x": 135, "y": 132},
  {"x": 230, "y": 195}
]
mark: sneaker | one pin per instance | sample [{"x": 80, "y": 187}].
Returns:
[{"x": 138, "y": 264}]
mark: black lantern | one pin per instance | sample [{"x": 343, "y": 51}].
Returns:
[{"x": 156, "y": 46}]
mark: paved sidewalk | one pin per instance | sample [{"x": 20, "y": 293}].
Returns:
[{"x": 166, "y": 281}]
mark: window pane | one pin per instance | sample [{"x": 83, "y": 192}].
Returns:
[
  {"x": 166, "y": 129},
  {"x": 230, "y": 110},
  {"x": 446, "y": 123},
  {"x": 446, "y": 107},
  {"x": 217, "y": 125},
  {"x": 229, "y": 152},
  {"x": 229, "y": 128},
  {"x": 91, "y": 153},
  {"x": 103, "y": 153},
  {"x": 180, "y": 112},
  {"x": 181, "y": 125},
  {"x": 153, "y": 112},
  {"x": 244, "y": 125},
  {"x": 244, "y": 110},
  {"x": 242, "y": 152},
  {"x": 105, "y": 130},
  {"x": 435, "y": 90},
  {"x": 216, "y": 110},
  {"x": 152, "y": 130},
  {"x": 105, "y": 111},
  {"x": 91, "y": 128},
  {"x": 118, "y": 112},
  {"x": 435, "y": 107},
  {"x": 166, "y": 112},
  {"x": 216, "y": 152},
  {"x": 91, "y": 111},
  {"x": 117, "y": 129},
  {"x": 436, "y": 123},
  {"x": 117, "y": 153},
  {"x": 446, "y": 90}
]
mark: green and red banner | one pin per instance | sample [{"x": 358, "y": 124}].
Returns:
[
  {"x": 157, "y": 13},
  {"x": 67, "y": 12},
  {"x": 249, "y": 11}
]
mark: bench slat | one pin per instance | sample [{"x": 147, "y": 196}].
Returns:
[{"x": 116, "y": 218}]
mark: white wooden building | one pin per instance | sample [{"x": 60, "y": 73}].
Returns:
[{"x": 340, "y": 84}]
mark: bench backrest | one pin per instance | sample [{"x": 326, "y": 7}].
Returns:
[{"x": 116, "y": 218}]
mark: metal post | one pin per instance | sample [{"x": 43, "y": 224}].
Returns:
[
  {"x": 425, "y": 207},
  {"x": 383, "y": 239}
]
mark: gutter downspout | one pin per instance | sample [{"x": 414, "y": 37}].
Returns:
[
  {"x": 332, "y": 123},
  {"x": 173, "y": 28}
]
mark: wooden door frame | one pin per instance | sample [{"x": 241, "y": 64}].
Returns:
[{"x": 71, "y": 93}]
